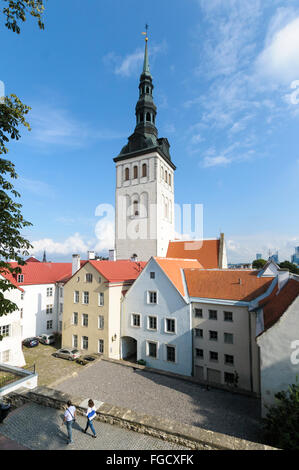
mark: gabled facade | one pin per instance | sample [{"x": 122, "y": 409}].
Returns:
[{"x": 156, "y": 317}]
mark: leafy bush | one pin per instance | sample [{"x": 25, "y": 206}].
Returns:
[{"x": 281, "y": 425}]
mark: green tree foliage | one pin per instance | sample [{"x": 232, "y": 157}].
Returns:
[
  {"x": 258, "y": 263},
  {"x": 290, "y": 266},
  {"x": 281, "y": 425},
  {"x": 15, "y": 12}
]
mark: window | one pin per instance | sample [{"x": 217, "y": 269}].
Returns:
[
  {"x": 213, "y": 356},
  {"x": 21, "y": 313},
  {"x": 75, "y": 341},
  {"x": 170, "y": 325},
  {"x": 101, "y": 322},
  {"x": 135, "y": 208},
  {"x": 144, "y": 170},
  {"x": 60, "y": 308},
  {"x": 85, "y": 297},
  {"x": 76, "y": 296},
  {"x": 148, "y": 117},
  {"x": 135, "y": 172},
  {"x": 5, "y": 356},
  {"x": 229, "y": 338},
  {"x": 84, "y": 319},
  {"x": 213, "y": 335},
  {"x": 213, "y": 314},
  {"x": 88, "y": 277},
  {"x": 228, "y": 359},
  {"x": 84, "y": 342},
  {"x": 165, "y": 174},
  {"x": 49, "y": 309},
  {"x": 100, "y": 279},
  {"x": 199, "y": 353},
  {"x": 101, "y": 299},
  {"x": 170, "y": 353},
  {"x": 5, "y": 330},
  {"x": 49, "y": 291},
  {"x": 60, "y": 291},
  {"x": 169, "y": 179},
  {"x": 20, "y": 277},
  {"x": 152, "y": 297},
  {"x": 60, "y": 325},
  {"x": 135, "y": 319},
  {"x": 49, "y": 325},
  {"x": 127, "y": 174},
  {"x": 229, "y": 378},
  {"x": 152, "y": 275},
  {"x": 198, "y": 312},
  {"x": 198, "y": 333},
  {"x": 22, "y": 295},
  {"x": 152, "y": 349},
  {"x": 152, "y": 323},
  {"x": 228, "y": 316},
  {"x": 101, "y": 346},
  {"x": 75, "y": 318}
]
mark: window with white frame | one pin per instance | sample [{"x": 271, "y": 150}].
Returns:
[
  {"x": 49, "y": 324},
  {"x": 170, "y": 353},
  {"x": 88, "y": 277},
  {"x": 101, "y": 346},
  {"x": 49, "y": 309},
  {"x": 101, "y": 299},
  {"x": 76, "y": 296},
  {"x": 152, "y": 322},
  {"x": 20, "y": 277},
  {"x": 49, "y": 291},
  {"x": 75, "y": 318},
  {"x": 85, "y": 297},
  {"x": 152, "y": 297},
  {"x": 135, "y": 319},
  {"x": 84, "y": 319},
  {"x": 152, "y": 349},
  {"x": 5, "y": 330},
  {"x": 5, "y": 356},
  {"x": 75, "y": 341},
  {"x": 84, "y": 342},
  {"x": 229, "y": 338},
  {"x": 170, "y": 326},
  {"x": 101, "y": 322}
]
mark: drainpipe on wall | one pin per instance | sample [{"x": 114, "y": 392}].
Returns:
[{"x": 250, "y": 351}]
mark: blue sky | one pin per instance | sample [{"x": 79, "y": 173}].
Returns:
[{"x": 226, "y": 76}]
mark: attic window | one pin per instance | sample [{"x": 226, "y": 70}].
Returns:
[{"x": 20, "y": 277}]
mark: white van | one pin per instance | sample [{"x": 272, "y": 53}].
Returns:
[{"x": 46, "y": 339}]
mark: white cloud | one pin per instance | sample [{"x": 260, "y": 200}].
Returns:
[
  {"x": 216, "y": 161},
  {"x": 72, "y": 244},
  {"x": 279, "y": 61}
]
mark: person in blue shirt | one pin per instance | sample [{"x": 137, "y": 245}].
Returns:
[{"x": 90, "y": 414}]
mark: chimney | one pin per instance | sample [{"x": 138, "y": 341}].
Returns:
[
  {"x": 222, "y": 263},
  {"x": 111, "y": 255},
  {"x": 91, "y": 255},
  {"x": 75, "y": 264}
]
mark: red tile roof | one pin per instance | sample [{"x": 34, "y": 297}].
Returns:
[
  {"x": 44, "y": 273},
  {"x": 205, "y": 251},
  {"x": 119, "y": 270},
  {"x": 237, "y": 285},
  {"x": 278, "y": 303},
  {"x": 32, "y": 260},
  {"x": 172, "y": 268},
  {"x": 9, "y": 277}
]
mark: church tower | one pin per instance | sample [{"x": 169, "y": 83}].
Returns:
[{"x": 144, "y": 206}]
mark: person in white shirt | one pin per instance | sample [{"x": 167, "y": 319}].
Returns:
[
  {"x": 68, "y": 419},
  {"x": 90, "y": 414}
]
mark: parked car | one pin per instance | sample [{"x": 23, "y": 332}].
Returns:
[
  {"x": 46, "y": 339},
  {"x": 66, "y": 353},
  {"x": 30, "y": 342},
  {"x": 4, "y": 410},
  {"x": 85, "y": 359}
]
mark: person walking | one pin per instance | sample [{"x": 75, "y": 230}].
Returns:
[
  {"x": 69, "y": 418},
  {"x": 90, "y": 414}
]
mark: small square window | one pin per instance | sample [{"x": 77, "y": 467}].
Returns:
[
  {"x": 229, "y": 338},
  {"x": 170, "y": 325},
  {"x": 199, "y": 353},
  {"x": 152, "y": 323},
  {"x": 198, "y": 332},
  {"x": 152, "y": 275},
  {"x": 213, "y": 335},
  {"x": 213, "y": 356},
  {"x": 213, "y": 314},
  {"x": 228, "y": 316},
  {"x": 88, "y": 277},
  {"x": 152, "y": 297},
  {"x": 228, "y": 359},
  {"x": 136, "y": 319},
  {"x": 198, "y": 312}
]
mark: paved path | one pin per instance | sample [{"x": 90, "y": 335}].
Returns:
[
  {"x": 39, "y": 428},
  {"x": 167, "y": 397}
]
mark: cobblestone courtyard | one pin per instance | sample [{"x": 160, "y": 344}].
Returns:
[{"x": 166, "y": 397}]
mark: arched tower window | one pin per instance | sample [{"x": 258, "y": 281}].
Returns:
[
  {"x": 166, "y": 176},
  {"x": 169, "y": 179},
  {"x": 148, "y": 117},
  {"x": 127, "y": 174},
  {"x": 147, "y": 89},
  {"x": 135, "y": 208},
  {"x": 135, "y": 172},
  {"x": 144, "y": 170}
]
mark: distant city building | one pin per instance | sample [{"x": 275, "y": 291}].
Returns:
[
  {"x": 274, "y": 257},
  {"x": 295, "y": 257},
  {"x": 259, "y": 256},
  {"x": 240, "y": 266}
]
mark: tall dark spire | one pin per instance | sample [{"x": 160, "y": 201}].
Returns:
[{"x": 145, "y": 135}]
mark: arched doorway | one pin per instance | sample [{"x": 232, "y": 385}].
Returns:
[{"x": 128, "y": 348}]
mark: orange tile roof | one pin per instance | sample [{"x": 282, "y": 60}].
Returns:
[
  {"x": 119, "y": 270},
  {"x": 205, "y": 251},
  {"x": 236, "y": 285},
  {"x": 279, "y": 303},
  {"x": 44, "y": 273},
  {"x": 172, "y": 268},
  {"x": 9, "y": 277}
]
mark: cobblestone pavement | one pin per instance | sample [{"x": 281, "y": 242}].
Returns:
[
  {"x": 39, "y": 428},
  {"x": 167, "y": 397}
]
